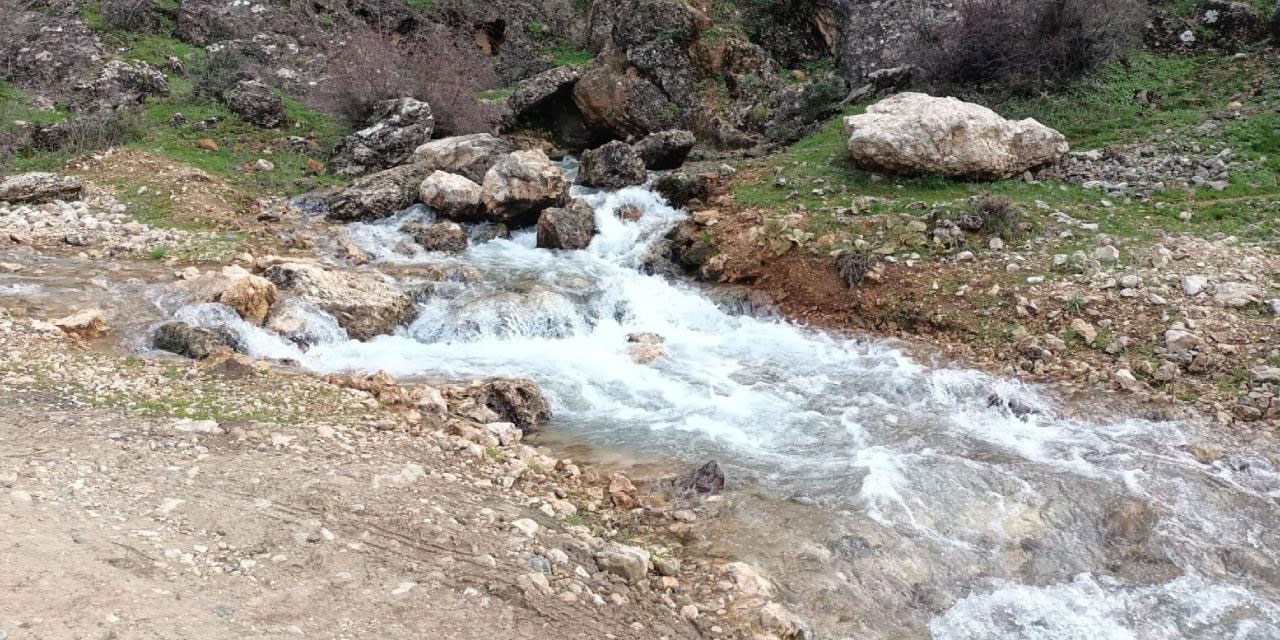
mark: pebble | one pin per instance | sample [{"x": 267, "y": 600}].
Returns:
[{"x": 526, "y": 526}]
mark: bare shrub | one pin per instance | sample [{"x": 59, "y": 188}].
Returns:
[
  {"x": 220, "y": 71},
  {"x": 854, "y": 266},
  {"x": 373, "y": 67},
  {"x": 132, "y": 15},
  {"x": 1026, "y": 46},
  {"x": 997, "y": 215},
  {"x": 93, "y": 132}
]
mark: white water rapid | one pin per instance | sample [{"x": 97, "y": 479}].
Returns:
[{"x": 937, "y": 511}]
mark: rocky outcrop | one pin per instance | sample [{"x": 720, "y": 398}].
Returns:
[
  {"x": 631, "y": 564},
  {"x": 447, "y": 237},
  {"x": 451, "y": 195},
  {"x": 377, "y": 195},
  {"x": 571, "y": 227},
  {"x": 364, "y": 305},
  {"x": 256, "y": 104},
  {"x": 913, "y": 133},
  {"x": 694, "y": 182},
  {"x": 865, "y": 40},
  {"x": 521, "y": 185},
  {"x": 120, "y": 85},
  {"x": 249, "y": 295},
  {"x": 536, "y": 91},
  {"x": 515, "y": 400},
  {"x": 469, "y": 156},
  {"x": 395, "y": 129},
  {"x": 1232, "y": 23},
  {"x": 622, "y": 104},
  {"x": 39, "y": 187},
  {"x": 665, "y": 150},
  {"x": 642, "y": 21},
  {"x": 193, "y": 342},
  {"x": 612, "y": 166},
  {"x": 705, "y": 480}
]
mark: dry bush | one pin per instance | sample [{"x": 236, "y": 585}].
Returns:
[
  {"x": 1026, "y": 46},
  {"x": 854, "y": 266},
  {"x": 998, "y": 215},
  {"x": 91, "y": 132},
  {"x": 132, "y": 15},
  {"x": 221, "y": 70},
  {"x": 373, "y": 67}
]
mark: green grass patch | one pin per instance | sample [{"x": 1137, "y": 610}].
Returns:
[
  {"x": 562, "y": 53},
  {"x": 1101, "y": 109},
  {"x": 495, "y": 95}
]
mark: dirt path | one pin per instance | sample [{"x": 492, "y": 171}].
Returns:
[{"x": 112, "y": 526}]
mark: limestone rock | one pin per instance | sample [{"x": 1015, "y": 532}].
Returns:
[
  {"x": 39, "y": 187},
  {"x": 914, "y": 133},
  {"x": 363, "y": 303},
  {"x": 532, "y": 92},
  {"x": 395, "y": 129},
  {"x": 249, "y": 295},
  {"x": 377, "y": 195},
  {"x": 570, "y": 227},
  {"x": 86, "y": 323},
  {"x": 452, "y": 195},
  {"x": 521, "y": 185},
  {"x": 515, "y": 400},
  {"x": 1237, "y": 294},
  {"x": 629, "y": 563},
  {"x": 469, "y": 156},
  {"x": 612, "y": 166}
]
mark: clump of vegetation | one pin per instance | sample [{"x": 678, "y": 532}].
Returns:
[
  {"x": 853, "y": 266},
  {"x": 997, "y": 215},
  {"x": 219, "y": 72},
  {"x": 1026, "y": 46},
  {"x": 372, "y": 67}
]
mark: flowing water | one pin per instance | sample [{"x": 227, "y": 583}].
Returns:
[{"x": 891, "y": 499}]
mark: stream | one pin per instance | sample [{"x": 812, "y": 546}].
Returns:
[{"x": 889, "y": 498}]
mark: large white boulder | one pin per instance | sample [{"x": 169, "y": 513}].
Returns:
[
  {"x": 451, "y": 195},
  {"x": 363, "y": 303},
  {"x": 521, "y": 185},
  {"x": 915, "y": 133}
]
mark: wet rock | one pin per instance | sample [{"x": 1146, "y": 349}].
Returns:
[
  {"x": 665, "y": 150},
  {"x": 395, "y": 129},
  {"x": 454, "y": 196},
  {"x": 645, "y": 347},
  {"x": 362, "y": 303},
  {"x": 481, "y": 234},
  {"x": 612, "y": 166},
  {"x": 570, "y": 227},
  {"x": 913, "y": 133},
  {"x": 629, "y": 563},
  {"x": 469, "y": 156},
  {"x": 515, "y": 400},
  {"x": 521, "y": 185},
  {"x": 695, "y": 182},
  {"x": 441, "y": 236},
  {"x": 705, "y": 480},
  {"x": 1128, "y": 522},
  {"x": 39, "y": 187},
  {"x": 256, "y": 104},
  {"x": 377, "y": 195},
  {"x": 86, "y": 324},
  {"x": 249, "y": 295},
  {"x": 192, "y": 342}
]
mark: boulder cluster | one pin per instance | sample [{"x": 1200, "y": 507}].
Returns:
[{"x": 481, "y": 178}]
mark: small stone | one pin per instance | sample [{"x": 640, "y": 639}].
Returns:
[
  {"x": 263, "y": 165},
  {"x": 1125, "y": 379},
  {"x": 689, "y": 612},
  {"x": 1085, "y": 330},
  {"x": 1193, "y": 285},
  {"x": 526, "y": 526},
  {"x": 1106, "y": 253}
]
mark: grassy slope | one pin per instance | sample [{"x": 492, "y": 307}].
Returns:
[{"x": 1097, "y": 111}]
